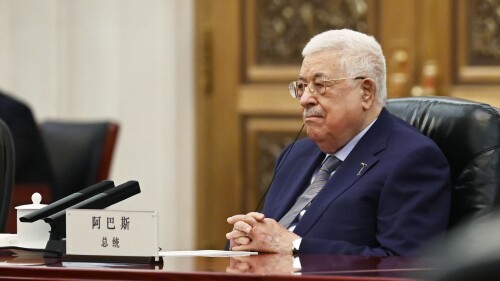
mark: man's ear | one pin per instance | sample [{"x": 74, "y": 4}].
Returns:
[{"x": 368, "y": 93}]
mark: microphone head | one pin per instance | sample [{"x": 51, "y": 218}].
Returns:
[
  {"x": 68, "y": 201},
  {"x": 100, "y": 201}
]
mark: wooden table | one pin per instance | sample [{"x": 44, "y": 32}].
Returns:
[{"x": 260, "y": 267}]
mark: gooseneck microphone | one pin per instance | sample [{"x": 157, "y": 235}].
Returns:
[
  {"x": 278, "y": 168},
  {"x": 102, "y": 200},
  {"x": 56, "y": 246},
  {"x": 68, "y": 201}
]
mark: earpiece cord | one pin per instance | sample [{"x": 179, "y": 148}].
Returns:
[{"x": 278, "y": 168}]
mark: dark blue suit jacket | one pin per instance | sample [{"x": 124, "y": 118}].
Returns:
[{"x": 398, "y": 202}]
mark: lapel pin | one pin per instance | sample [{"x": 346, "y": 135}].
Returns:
[{"x": 363, "y": 165}]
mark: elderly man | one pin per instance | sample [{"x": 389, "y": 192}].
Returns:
[{"x": 364, "y": 182}]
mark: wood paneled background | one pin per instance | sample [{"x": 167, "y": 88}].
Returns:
[{"x": 249, "y": 50}]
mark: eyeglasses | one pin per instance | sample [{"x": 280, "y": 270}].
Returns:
[{"x": 317, "y": 86}]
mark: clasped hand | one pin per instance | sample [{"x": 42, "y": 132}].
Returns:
[{"x": 255, "y": 232}]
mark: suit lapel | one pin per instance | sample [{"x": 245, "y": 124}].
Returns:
[
  {"x": 351, "y": 170},
  {"x": 294, "y": 185}
]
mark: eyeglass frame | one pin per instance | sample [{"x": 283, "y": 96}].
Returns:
[{"x": 292, "y": 87}]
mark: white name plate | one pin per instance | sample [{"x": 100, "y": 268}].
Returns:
[{"x": 111, "y": 233}]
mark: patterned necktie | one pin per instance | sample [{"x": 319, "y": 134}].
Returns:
[{"x": 330, "y": 164}]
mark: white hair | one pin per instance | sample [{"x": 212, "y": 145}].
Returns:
[{"x": 358, "y": 55}]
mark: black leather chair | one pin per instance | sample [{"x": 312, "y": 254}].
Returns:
[
  {"x": 80, "y": 153},
  {"x": 469, "y": 135},
  {"x": 7, "y": 168}
]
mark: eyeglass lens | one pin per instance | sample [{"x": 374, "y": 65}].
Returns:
[{"x": 317, "y": 86}]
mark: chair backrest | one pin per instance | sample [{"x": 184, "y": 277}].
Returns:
[
  {"x": 7, "y": 168},
  {"x": 468, "y": 133},
  {"x": 80, "y": 153}
]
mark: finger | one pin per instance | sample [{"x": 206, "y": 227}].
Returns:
[
  {"x": 242, "y": 266},
  {"x": 237, "y": 267},
  {"x": 247, "y": 247},
  {"x": 235, "y": 218},
  {"x": 242, "y": 226},
  {"x": 269, "y": 221},
  {"x": 252, "y": 219},
  {"x": 235, "y": 260},
  {"x": 257, "y": 216},
  {"x": 232, "y": 244},
  {"x": 235, "y": 234},
  {"x": 243, "y": 240}
]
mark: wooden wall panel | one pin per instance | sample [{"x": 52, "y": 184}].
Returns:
[
  {"x": 276, "y": 32},
  {"x": 249, "y": 50},
  {"x": 478, "y": 41},
  {"x": 475, "y": 69},
  {"x": 264, "y": 139},
  {"x": 218, "y": 52}
]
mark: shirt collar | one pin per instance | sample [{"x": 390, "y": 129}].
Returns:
[{"x": 344, "y": 151}]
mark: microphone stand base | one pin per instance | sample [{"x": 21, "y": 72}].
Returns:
[{"x": 55, "y": 249}]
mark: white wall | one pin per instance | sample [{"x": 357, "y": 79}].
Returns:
[{"x": 126, "y": 60}]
